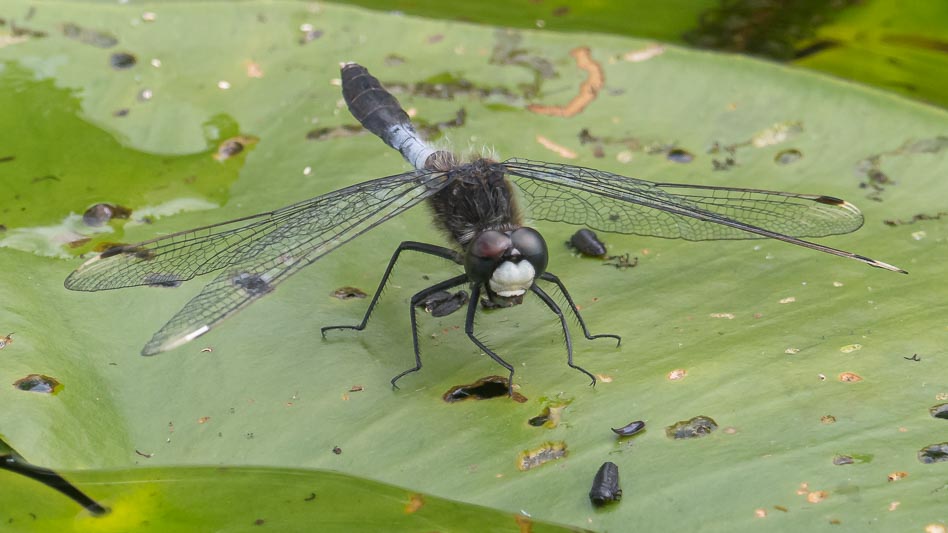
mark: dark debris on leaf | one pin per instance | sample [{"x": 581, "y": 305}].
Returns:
[
  {"x": 100, "y": 214},
  {"x": 39, "y": 383},
  {"x": 787, "y": 157},
  {"x": 87, "y": 36},
  {"x": 539, "y": 420},
  {"x": 483, "y": 389},
  {"x": 549, "y": 451},
  {"x": 843, "y": 460},
  {"x": 621, "y": 262},
  {"x": 443, "y": 303},
  {"x": 348, "y": 293},
  {"x": 934, "y": 453},
  {"x": 699, "y": 426}
]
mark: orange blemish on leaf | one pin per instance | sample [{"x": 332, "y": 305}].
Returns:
[{"x": 587, "y": 90}]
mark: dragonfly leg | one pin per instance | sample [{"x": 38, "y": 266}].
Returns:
[
  {"x": 413, "y": 246},
  {"x": 469, "y": 329},
  {"x": 569, "y": 343},
  {"x": 546, "y": 276},
  {"x": 413, "y": 305}
]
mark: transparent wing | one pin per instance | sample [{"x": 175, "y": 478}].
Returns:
[
  {"x": 254, "y": 253},
  {"x": 619, "y": 204}
]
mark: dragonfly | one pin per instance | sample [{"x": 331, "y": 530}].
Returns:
[{"x": 476, "y": 204}]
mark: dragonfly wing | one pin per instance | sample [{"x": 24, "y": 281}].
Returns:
[
  {"x": 228, "y": 293},
  {"x": 255, "y": 253},
  {"x": 618, "y": 204},
  {"x": 299, "y": 232}
]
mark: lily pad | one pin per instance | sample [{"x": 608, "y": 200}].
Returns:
[{"x": 756, "y": 326}]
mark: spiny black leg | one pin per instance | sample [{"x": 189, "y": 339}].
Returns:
[
  {"x": 469, "y": 329},
  {"x": 569, "y": 343},
  {"x": 546, "y": 276},
  {"x": 415, "y": 300},
  {"x": 413, "y": 246}
]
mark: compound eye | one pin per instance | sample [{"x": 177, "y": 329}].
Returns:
[
  {"x": 531, "y": 246},
  {"x": 484, "y": 253}
]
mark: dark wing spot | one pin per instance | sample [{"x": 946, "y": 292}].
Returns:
[{"x": 829, "y": 200}]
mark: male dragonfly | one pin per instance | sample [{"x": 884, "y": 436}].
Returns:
[{"x": 475, "y": 205}]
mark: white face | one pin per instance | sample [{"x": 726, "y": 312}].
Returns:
[{"x": 512, "y": 279}]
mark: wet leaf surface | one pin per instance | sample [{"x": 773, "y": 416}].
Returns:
[{"x": 274, "y": 391}]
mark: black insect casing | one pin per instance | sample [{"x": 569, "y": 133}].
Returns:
[
  {"x": 605, "y": 487},
  {"x": 588, "y": 243},
  {"x": 479, "y": 197}
]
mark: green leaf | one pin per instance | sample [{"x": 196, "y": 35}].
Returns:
[
  {"x": 900, "y": 48},
  {"x": 270, "y": 392},
  {"x": 245, "y": 499}
]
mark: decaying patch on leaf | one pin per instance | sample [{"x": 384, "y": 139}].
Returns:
[
  {"x": 849, "y": 377},
  {"x": 546, "y": 452},
  {"x": 587, "y": 90}
]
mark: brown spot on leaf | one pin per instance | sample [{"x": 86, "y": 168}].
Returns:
[{"x": 416, "y": 502}]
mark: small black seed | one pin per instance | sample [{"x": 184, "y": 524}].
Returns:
[
  {"x": 122, "y": 60},
  {"x": 629, "y": 429},
  {"x": 680, "y": 156}
]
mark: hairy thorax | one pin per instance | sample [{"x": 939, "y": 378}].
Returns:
[{"x": 479, "y": 198}]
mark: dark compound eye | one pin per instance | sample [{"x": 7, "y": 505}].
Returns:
[
  {"x": 532, "y": 247},
  {"x": 484, "y": 254}
]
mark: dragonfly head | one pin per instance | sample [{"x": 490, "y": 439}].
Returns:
[{"x": 506, "y": 262}]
